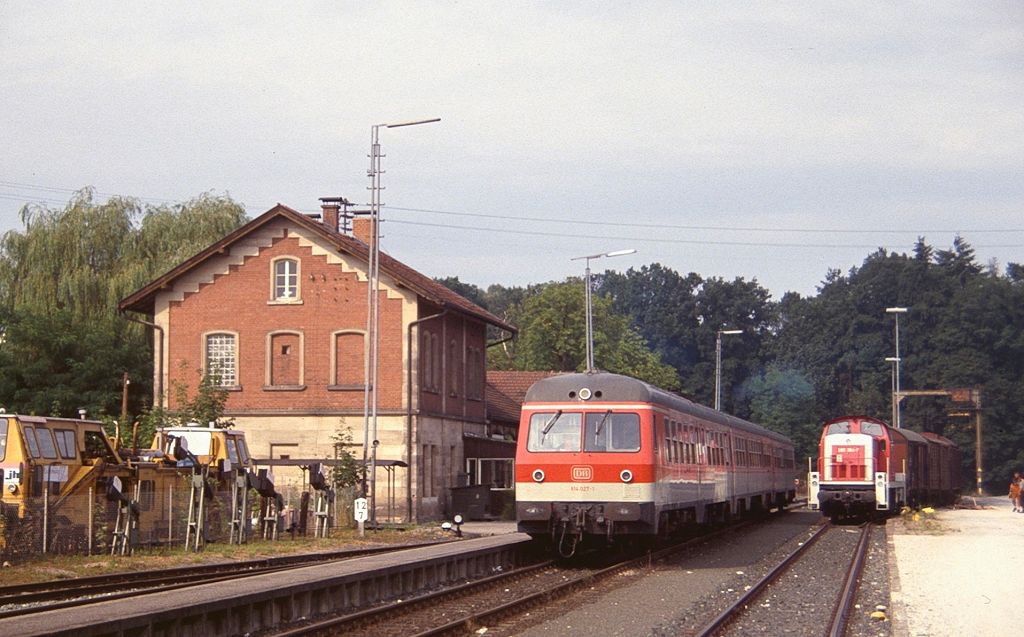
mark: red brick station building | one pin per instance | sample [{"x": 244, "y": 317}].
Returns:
[{"x": 277, "y": 312}]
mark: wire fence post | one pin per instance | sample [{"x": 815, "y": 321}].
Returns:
[{"x": 92, "y": 520}]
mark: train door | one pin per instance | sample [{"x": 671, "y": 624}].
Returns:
[{"x": 730, "y": 469}]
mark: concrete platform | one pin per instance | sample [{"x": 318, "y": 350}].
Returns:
[
  {"x": 487, "y": 528},
  {"x": 259, "y": 602},
  {"x": 960, "y": 573}
]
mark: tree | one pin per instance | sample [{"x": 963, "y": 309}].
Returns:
[
  {"x": 553, "y": 336},
  {"x": 64, "y": 346}
]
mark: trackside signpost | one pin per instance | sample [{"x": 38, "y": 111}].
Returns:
[{"x": 361, "y": 513}]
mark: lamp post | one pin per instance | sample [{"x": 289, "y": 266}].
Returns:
[
  {"x": 718, "y": 365},
  {"x": 590, "y": 320},
  {"x": 371, "y": 355},
  {"x": 895, "y": 364},
  {"x": 896, "y": 311}
]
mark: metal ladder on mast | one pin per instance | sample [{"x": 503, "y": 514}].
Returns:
[
  {"x": 239, "y": 507},
  {"x": 195, "y": 531}
]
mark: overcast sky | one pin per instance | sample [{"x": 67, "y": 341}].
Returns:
[{"x": 733, "y": 139}]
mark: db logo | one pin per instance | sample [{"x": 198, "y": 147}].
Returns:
[{"x": 582, "y": 474}]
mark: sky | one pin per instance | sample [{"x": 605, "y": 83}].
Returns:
[{"x": 766, "y": 141}]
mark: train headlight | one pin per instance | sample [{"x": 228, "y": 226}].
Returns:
[
  {"x": 538, "y": 475},
  {"x": 585, "y": 394},
  {"x": 13, "y": 488},
  {"x": 626, "y": 475}
]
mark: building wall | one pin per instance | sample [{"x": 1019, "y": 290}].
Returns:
[{"x": 294, "y": 405}]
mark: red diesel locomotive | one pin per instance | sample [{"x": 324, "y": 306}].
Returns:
[
  {"x": 866, "y": 467},
  {"x": 604, "y": 457}
]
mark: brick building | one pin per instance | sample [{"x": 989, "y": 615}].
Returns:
[{"x": 276, "y": 312}]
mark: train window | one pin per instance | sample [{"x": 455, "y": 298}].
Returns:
[
  {"x": 3, "y": 439},
  {"x": 65, "y": 443},
  {"x": 30, "y": 441},
  {"x": 554, "y": 431},
  {"x": 46, "y": 446},
  {"x": 871, "y": 429},
  {"x": 243, "y": 451},
  {"x": 612, "y": 432},
  {"x": 841, "y": 427},
  {"x": 232, "y": 450}
]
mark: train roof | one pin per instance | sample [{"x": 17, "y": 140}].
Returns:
[
  {"x": 608, "y": 387},
  {"x": 50, "y": 419},
  {"x": 909, "y": 434}
]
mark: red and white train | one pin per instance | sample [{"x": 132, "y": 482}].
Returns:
[
  {"x": 606, "y": 457},
  {"x": 865, "y": 467}
]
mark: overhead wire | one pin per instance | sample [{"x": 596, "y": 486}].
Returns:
[{"x": 585, "y": 222}]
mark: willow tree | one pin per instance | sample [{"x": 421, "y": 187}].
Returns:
[{"x": 63, "y": 346}]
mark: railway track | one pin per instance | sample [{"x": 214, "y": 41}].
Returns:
[
  {"x": 31, "y": 598},
  {"x": 485, "y": 603},
  {"x": 761, "y": 604}
]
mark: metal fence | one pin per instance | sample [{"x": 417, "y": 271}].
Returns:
[{"x": 92, "y": 524}]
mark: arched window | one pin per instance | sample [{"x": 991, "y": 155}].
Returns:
[
  {"x": 348, "y": 359},
  {"x": 285, "y": 280},
  {"x": 221, "y": 358},
  {"x": 284, "y": 359}
]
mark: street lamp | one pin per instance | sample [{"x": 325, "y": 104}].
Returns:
[
  {"x": 718, "y": 365},
  {"x": 590, "y": 320},
  {"x": 896, "y": 311},
  {"x": 895, "y": 364},
  {"x": 370, "y": 351}
]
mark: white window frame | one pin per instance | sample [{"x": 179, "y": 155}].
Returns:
[
  {"x": 232, "y": 374},
  {"x": 285, "y": 285}
]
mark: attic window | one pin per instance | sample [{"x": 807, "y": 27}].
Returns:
[{"x": 285, "y": 280}]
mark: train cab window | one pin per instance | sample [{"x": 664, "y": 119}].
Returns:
[
  {"x": 554, "y": 431},
  {"x": 871, "y": 429},
  {"x": 40, "y": 443},
  {"x": 841, "y": 427},
  {"x": 46, "y": 446},
  {"x": 30, "y": 441},
  {"x": 3, "y": 439},
  {"x": 243, "y": 451},
  {"x": 607, "y": 431},
  {"x": 65, "y": 443},
  {"x": 232, "y": 450}
]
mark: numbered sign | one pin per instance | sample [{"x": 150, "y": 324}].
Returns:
[{"x": 361, "y": 509}]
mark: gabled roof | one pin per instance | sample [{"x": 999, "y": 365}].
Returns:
[
  {"x": 144, "y": 299},
  {"x": 505, "y": 391}
]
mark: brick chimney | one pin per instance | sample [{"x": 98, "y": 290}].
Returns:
[
  {"x": 330, "y": 211},
  {"x": 362, "y": 229}
]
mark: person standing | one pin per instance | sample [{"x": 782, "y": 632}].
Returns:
[{"x": 1015, "y": 488}]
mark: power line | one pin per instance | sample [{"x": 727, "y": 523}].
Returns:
[
  {"x": 687, "y": 227},
  {"x": 764, "y": 244}
]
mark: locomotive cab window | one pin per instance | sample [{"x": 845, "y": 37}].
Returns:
[
  {"x": 232, "y": 450},
  {"x": 607, "y": 431},
  {"x": 554, "y": 431},
  {"x": 871, "y": 429},
  {"x": 842, "y": 427},
  {"x": 65, "y": 443}
]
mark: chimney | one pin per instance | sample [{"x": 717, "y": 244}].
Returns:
[
  {"x": 362, "y": 229},
  {"x": 329, "y": 213}
]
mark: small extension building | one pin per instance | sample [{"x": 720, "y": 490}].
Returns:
[{"x": 276, "y": 313}]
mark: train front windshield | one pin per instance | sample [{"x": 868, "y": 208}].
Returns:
[{"x": 598, "y": 432}]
